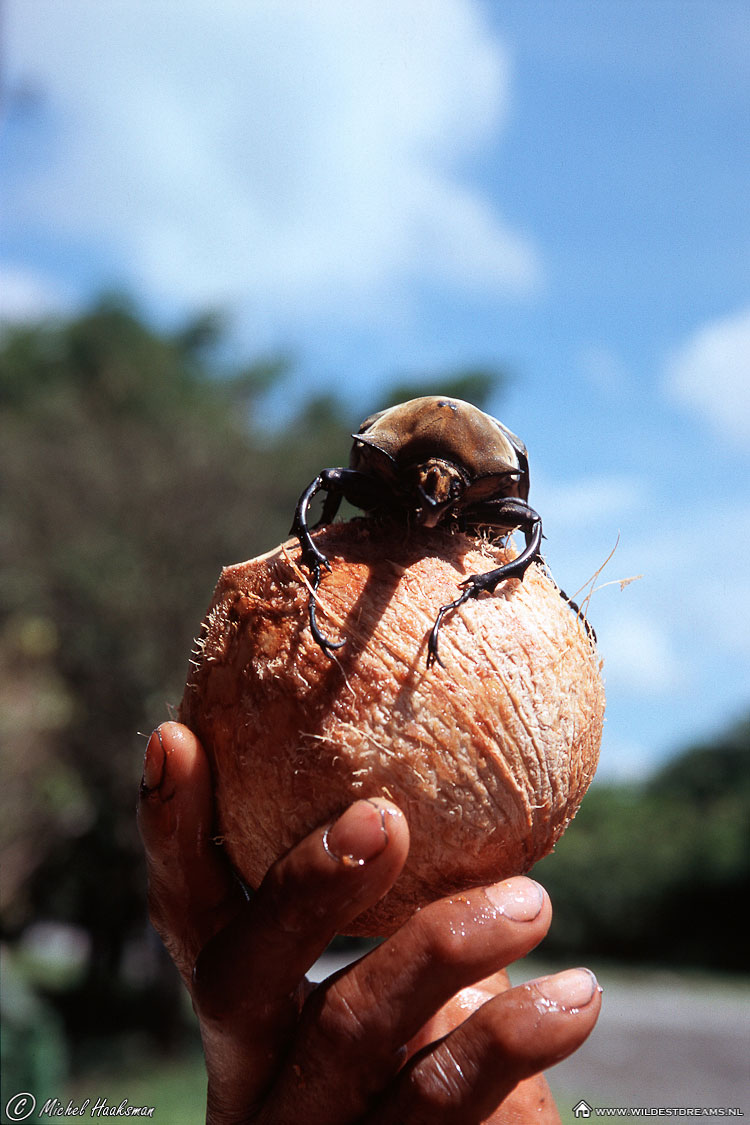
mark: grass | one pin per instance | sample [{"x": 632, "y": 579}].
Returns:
[
  {"x": 175, "y": 1089},
  {"x": 565, "y": 1103}
]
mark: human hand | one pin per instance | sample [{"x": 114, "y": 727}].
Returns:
[{"x": 425, "y": 1028}]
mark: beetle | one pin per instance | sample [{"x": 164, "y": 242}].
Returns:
[{"x": 429, "y": 461}]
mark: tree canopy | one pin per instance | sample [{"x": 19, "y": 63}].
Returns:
[{"x": 646, "y": 869}]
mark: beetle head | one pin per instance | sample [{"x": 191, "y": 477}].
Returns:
[{"x": 435, "y": 485}]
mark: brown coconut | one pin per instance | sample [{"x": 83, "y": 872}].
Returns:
[{"x": 488, "y": 755}]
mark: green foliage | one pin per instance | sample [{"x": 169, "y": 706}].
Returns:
[
  {"x": 175, "y": 1088},
  {"x": 706, "y": 774},
  {"x": 133, "y": 466},
  {"x": 660, "y": 872},
  {"x": 32, "y": 1045},
  {"x": 130, "y": 474}
]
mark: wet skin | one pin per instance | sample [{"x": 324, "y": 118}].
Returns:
[{"x": 425, "y": 1028}]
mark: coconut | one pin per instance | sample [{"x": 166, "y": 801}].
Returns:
[{"x": 488, "y": 754}]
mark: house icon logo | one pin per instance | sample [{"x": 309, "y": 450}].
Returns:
[{"x": 582, "y": 1110}]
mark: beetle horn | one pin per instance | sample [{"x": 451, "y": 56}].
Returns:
[
  {"x": 430, "y": 511},
  {"x": 438, "y": 485}
]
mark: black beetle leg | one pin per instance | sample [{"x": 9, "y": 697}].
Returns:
[
  {"x": 320, "y": 638},
  {"x": 313, "y": 558},
  {"x": 432, "y": 644},
  {"x": 528, "y": 520},
  {"x": 579, "y": 614}
]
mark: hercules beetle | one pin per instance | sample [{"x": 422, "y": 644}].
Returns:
[{"x": 430, "y": 460}]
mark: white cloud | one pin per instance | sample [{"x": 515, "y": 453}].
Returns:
[
  {"x": 682, "y": 628},
  {"x": 588, "y": 500},
  {"x": 639, "y": 655},
  {"x": 302, "y": 157},
  {"x": 710, "y": 374},
  {"x": 28, "y": 296},
  {"x": 711, "y": 574},
  {"x": 623, "y": 759},
  {"x": 726, "y": 611}
]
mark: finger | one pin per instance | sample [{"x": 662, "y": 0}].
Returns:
[
  {"x": 467, "y": 1076},
  {"x": 246, "y": 984},
  {"x": 307, "y": 896},
  {"x": 371, "y": 1010},
  {"x": 192, "y": 891},
  {"x": 531, "y": 1100},
  {"x": 457, "y": 1009}
]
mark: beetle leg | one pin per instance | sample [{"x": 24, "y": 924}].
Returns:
[
  {"x": 314, "y": 559},
  {"x": 337, "y": 484},
  {"x": 579, "y": 613},
  {"x": 432, "y": 644},
  {"x": 526, "y": 523},
  {"x": 509, "y": 513},
  {"x": 320, "y": 638},
  {"x": 311, "y": 556},
  {"x": 331, "y": 505}
]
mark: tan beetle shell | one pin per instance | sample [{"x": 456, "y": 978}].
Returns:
[{"x": 435, "y": 426}]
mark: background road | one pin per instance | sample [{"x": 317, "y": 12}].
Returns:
[{"x": 661, "y": 1040}]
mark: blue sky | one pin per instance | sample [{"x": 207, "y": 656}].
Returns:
[{"x": 552, "y": 187}]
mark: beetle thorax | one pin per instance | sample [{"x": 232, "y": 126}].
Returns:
[{"x": 435, "y": 485}]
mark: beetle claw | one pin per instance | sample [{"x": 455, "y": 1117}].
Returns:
[
  {"x": 314, "y": 559},
  {"x": 321, "y": 639},
  {"x": 324, "y": 643},
  {"x": 328, "y": 646},
  {"x": 432, "y": 647}
]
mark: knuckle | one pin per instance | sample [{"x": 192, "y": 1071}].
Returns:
[
  {"x": 289, "y": 901},
  {"x": 337, "y": 1016},
  {"x": 343, "y": 1025},
  {"x": 440, "y": 1084},
  {"x": 156, "y": 911},
  {"x": 277, "y": 905},
  {"x": 444, "y": 944}
]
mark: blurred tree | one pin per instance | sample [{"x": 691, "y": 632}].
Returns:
[
  {"x": 129, "y": 475},
  {"x": 131, "y": 469},
  {"x": 710, "y": 772},
  {"x": 646, "y": 870},
  {"x": 474, "y": 384}
]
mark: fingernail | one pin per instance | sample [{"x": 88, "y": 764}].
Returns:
[
  {"x": 153, "y": 763},
  {"x": 358, "y": 835},
  {"x": 521, "y": 900},
  {"x": 574, "y": 988}
]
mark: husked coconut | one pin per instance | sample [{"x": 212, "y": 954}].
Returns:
[{"x": 488, "y": 755}]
